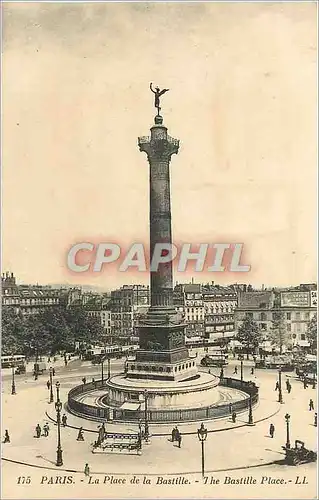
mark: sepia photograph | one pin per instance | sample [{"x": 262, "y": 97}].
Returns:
[{"x": 159, "y": 250}]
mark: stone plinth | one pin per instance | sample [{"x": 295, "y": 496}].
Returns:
[{"x": 200, "y": 391}]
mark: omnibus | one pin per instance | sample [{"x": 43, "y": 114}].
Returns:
[
  {"x": 215, "y": 358},
  {"x": 9, "y": 361}
]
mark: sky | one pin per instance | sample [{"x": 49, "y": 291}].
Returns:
[{"x": 242, "y": 101}]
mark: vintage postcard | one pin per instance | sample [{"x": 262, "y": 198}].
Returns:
[{"x": 159, "y": 264}]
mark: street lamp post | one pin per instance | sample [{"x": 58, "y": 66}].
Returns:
[
  {"x": 145, "y": 415},
  {"x": 58, "y": 407},
  {"x": 108, "y": 367},
  {"x": 287, "y": 417},
  {"x": 102, "y": 370},
  {"x": 13, "y": 386},
  {"x": 51, "y": 385},
  {"x": 280, "y": 400},
  {"x": 140, "y": 427},
  {"x": 314, "y": 381},
  {"x": 241, "y": 371},
  {"x": 202, "y": 436},
  {"x": 221, "y": 375},
  {"x": 250, "y": 414},
  {"x": 36, "y": 364}
]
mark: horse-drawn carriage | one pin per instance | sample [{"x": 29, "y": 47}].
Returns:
[{"x": 299, "y": 454}]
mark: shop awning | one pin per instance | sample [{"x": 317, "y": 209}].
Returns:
[{"x": 130, "y": 406}]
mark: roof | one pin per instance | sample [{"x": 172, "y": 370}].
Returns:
[
  {"x": 256, "y": 300},
  {"x": 192, "y": 288}
]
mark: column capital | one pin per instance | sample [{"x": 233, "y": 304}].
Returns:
[{"x": 158, "y": 148}]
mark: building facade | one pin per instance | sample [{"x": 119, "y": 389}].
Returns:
[
  {"x": 296, "y": 306},
  {"x": 219, "y": 304},
  {"x": 128, "y": 304},
  {"x": 29, "y": 299}
]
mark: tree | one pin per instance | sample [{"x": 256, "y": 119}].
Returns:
[
  {"x": 37, "y": 339},
  {"x": 249, "y": 334},
  {"x": 312, "y": 333},
  {"x": 55, "y": 329},
  {"x": 278, "y": 334},
  {"x": 84, "y": 328},
  {"x": 12, "y": 332}
]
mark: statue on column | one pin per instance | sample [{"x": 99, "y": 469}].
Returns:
[{"x": 157, "y": 93}]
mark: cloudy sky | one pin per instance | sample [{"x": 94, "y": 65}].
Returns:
[{"x": 242, "y": 101}]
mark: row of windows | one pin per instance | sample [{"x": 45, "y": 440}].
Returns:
[
  {"x": 168, "y": 369},
  {"x": 296, "y": 315}
]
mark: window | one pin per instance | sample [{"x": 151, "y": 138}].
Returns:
[
  {"x": 297, "y": 315},
  {"x": 302, "y": 336},
  {"x": 294, "y": 335},
  {"x": 307, "y": 316},
  {"x": 288, "y": 316},
  {"x": 288, "y": 327},
  {"x": 263, "y": 316},
  {"x": 263, "y": 326}
]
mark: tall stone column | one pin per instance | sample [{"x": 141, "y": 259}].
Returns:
[
  {"x": 159, "y": 147},
  {"x": 162, "y": 344}
]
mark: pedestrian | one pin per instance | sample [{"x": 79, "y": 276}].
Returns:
[
  {"x": 53, "y": 372},
  {"x": 230, "y": 406},
  {"x": 315, "y": 420},
  {"x": 84, "y": 380},
  {"x": 252, "y": 371},
  {"x": 234, "y": 416},
  {"x": 54, "y": 359},
  {"x": 7, "y": 437},
  {"x": 103, "y": 431},
  {"x": 311, "y": 406},
  {"x": 289, "y": 388},
  {"x": 80, "y": 435},
  {"x": 209, "y": 372},
  {"x": 48, "y": 384},
  {"x": 235, "y": 370},
  {"x": 86, "y": 470},
  {"x": 38, "y": 431},
  {"x": 173, "y": 434},
  {"x": 179, "y": 439},
  {"x": 49, "y": 359},
  {"x": 277, "y": 386},
  {"x": 287, "y": 384},
  {"x": 305, "y": 384},
  {"x": 64, "y": 419},
  {"x": 69, "y": 357},
  {"x": 93, "y": 381},
  {"x": 65, "y": 362},
  {"x": 46, "y": 430},
  {"x": 100, "y": 435},
  {"x": 271, "y": 430}
]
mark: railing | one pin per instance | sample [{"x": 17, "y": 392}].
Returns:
[{"x": 209, "y": 412}]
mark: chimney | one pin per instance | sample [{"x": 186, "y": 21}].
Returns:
[
  {"x": 192, "y": 281},
  {"x": 213, "y": 283}
]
